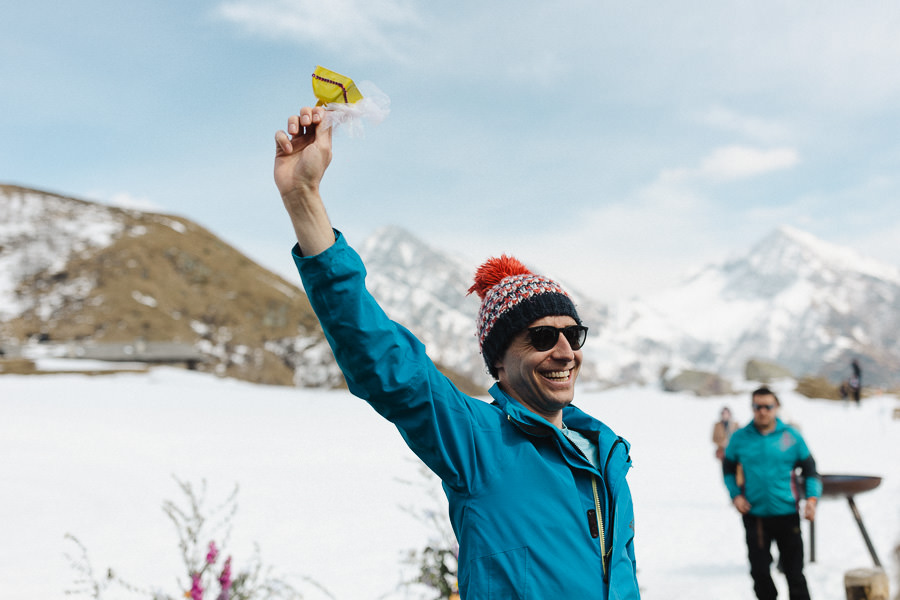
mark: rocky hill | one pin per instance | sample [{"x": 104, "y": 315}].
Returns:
[{"x": 77, "y": 274}]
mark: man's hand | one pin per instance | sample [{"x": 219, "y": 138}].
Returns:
[
  {"x": 809, "y": 511},
  {"x": 740, "y": 502},
  {"x": 301, "y": 157}
]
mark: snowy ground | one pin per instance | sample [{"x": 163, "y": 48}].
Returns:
[{"x": 322, "y": 484}]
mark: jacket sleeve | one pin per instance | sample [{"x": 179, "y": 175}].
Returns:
[
  {"x": 808, "y": 471},
  {"x": 384, "y": 364},
  {"x": 729, "y": 467}
]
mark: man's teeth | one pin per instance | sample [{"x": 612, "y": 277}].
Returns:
[{"x": 557, "y": 375}]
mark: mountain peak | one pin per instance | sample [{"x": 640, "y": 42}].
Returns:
[
  {"x": 793, "y": 300},
  {"x": 794, "y": 249}
]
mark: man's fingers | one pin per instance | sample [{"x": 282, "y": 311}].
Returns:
[
  {"x": 296, "y": 129},
  {"x": 283, "y": 142},
  {"x": 311, "y": 115}
]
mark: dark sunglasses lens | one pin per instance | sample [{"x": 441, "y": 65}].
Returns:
[
  {"x": 575, "y": 335},
  {"x": 545, "y": 337}
]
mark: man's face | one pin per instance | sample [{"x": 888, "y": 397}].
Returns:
[
  {"x": 544, "y": 382},
  {"x": 765, "y": 409}
]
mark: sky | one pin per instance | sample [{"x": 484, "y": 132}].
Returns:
[{"x": 612, "y": 145}]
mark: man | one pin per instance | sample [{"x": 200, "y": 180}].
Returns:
[
  {"x": 536, "y": 488},
  {"x": 769, "y": 451}
]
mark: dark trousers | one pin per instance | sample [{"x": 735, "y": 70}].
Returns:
[{"x": 784, "y": 530}]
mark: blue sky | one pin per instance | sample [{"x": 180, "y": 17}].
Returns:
[{"x": 612, "y": 145}]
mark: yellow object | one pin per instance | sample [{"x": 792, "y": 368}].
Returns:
[{"x": 329, "y": 86}]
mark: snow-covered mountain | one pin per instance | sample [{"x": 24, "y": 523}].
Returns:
[
  {"x": 426, "y": 290},
  {"x": 75, "y": 271},
  {"x": 793, "y": 300}
]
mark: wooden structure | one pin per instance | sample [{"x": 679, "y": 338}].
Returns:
[{"x": 866, "y": 584}]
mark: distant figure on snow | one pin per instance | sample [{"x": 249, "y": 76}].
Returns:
[
  {"x": 856, "y": 380},
  {"x": 769, "y": 451},
  {"x": 722, "y": 431}
]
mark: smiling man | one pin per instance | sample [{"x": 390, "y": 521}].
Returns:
[{"x": 536, "y": 487}]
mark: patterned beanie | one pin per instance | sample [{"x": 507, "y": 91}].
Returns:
[{"x": 512, "y": 298}]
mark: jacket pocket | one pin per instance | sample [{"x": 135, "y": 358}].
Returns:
[{"x": 500, "y": 576}]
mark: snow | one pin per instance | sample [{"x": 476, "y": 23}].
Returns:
[
  {"x": 51, "y": 364},
  {"x": 40, "y": 232},
  {"x": 323, "y": 478},
  {"x": 144, "y": 299},
  {"x": 173, "y": 224}
]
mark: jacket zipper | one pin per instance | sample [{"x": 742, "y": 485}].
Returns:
[
  {"x": 599, "y": 524},
  {"x": 598, "y": 517}
]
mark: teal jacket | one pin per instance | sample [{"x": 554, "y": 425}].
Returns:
[
  {"x": 524, "y": 502},
  {"x": 768, "y": 462}
]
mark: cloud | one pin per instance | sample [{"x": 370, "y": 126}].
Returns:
[
  {"x": 649, "y": 237},
  {"x": 731, "y": 163},
  {"x": 638, "y": 246},
  {"x": 666, "y": 228},
  {"x": 747, "y": 126},
  {"x": 635, "y": 245},
  {"x": 737, "y": 162},
  {"x": 360, "y": 27}
]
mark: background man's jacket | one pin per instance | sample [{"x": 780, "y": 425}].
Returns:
[{"x": 768, "y": 461}]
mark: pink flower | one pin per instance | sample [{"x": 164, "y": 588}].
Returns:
[
  {"x": 212, "y": 554},
  {"x": 225, "y": 580},
  {"x": 225, "y": 577},
  {"x": 196, "y": 587}
]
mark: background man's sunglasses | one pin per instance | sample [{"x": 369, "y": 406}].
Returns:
[
  {"x": 763, "y": 406},
  {"x": 544, "y": 337}
]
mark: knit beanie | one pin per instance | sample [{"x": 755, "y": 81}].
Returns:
[{"x": 512, "y": 298}]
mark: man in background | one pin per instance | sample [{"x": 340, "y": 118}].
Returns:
[{"x": 769, "y": 451}]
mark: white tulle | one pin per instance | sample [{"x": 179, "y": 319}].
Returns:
[{"x": 351, "y": 118}]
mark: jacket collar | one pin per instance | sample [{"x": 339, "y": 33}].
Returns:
[
  {"x": 573, "y": 417},
  {"x": 607, "y": 441},
  {"x": 529, "y": 422},
  {"x": 779, "y": 426}
]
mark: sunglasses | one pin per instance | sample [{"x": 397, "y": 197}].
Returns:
[
  {"x": 544, "y": 337},
  {"x": 763, "y": 406}
]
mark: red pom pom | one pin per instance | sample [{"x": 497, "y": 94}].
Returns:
[{"x": 495, "y": 270}]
